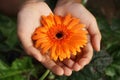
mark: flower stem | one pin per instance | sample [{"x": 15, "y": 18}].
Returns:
[{"x": 44, "y": 75}]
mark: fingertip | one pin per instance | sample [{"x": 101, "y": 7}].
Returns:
[
  {"x": 95, "y": 35},
  {"x": 57, "y": 70},
  {"x": 96, "y": 43},
  {"x": 68, "y": 62},
  {"x": 67, "y": 71},
  {"x": 53, "y": 66},
  {"x": 82, "y": 63},
  {"x": 76, "y": 67}
]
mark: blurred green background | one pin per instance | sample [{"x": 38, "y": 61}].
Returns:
[{"x": 105, "y": 65}]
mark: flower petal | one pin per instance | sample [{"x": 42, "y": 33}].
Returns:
[
  {"x": 73, "y": 23},
  {"x": 57, "y": 19},
  {"x": 67, "y": 19}
]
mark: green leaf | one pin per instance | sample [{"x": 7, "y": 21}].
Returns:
[
  {"x": 20, "y": 68},
  {"x": 8, "y": 32},
  {"x": 17, "y": 77},
  {"x": 11, "y": 73},
  {"x": 110, "y": 72},
  {"x": 23, "y": 63},
  {"x": 3, "y": 66}
]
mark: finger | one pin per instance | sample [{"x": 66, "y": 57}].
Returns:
[
  {"x": 55, "y": 68},
  {"x": 69, "y": 63},
  {"x": 94, "y": 35},
  {"x": 67, "y": 71},
  {"x": 87, "y": 55},
  {"x": 72, "y": 65},
  {"x": 77, "y": 67},
  {"x": 59, "y": 11}
]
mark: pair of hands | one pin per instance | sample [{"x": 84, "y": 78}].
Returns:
[{"x": 29, "y": 20}]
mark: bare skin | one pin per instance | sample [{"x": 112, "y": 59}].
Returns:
[{"x": 28, "y": 19}]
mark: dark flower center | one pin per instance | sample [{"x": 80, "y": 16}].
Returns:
[{"x": 59, "y": 35}]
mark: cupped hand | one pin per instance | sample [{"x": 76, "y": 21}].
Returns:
[
  {"x": 28, "y": 20},
  {"x": 79, "y": 11}
]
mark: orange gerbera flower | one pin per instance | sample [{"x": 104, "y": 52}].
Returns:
[{"x": 60, "y": 37}]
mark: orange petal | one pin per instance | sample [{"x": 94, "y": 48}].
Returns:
[
  {"x": 53, "y": 53},
  {"x": 73, "y": 51},
  {"x": 78, "y": 27},
  {"x": 38, "y": 43},
  {"x": 35, "y": 37},
  {"x": 46, "y": 47},
  {"x": 67, "y": 19},
  {"x": 73, "y": 23},
  {"x": 51, "y": 17},
  {"x": 46, "y": 21},
  {"x": 57, "y": 19},
  {"x": 66, "y": 50},
  {"x": 43, "y": 30}
]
